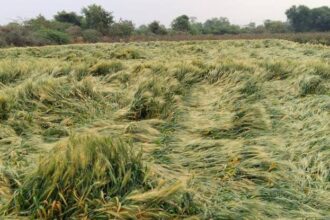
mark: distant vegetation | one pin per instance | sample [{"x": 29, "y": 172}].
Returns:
[{"x": 96, "y": 24}]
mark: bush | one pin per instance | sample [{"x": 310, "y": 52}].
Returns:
[
  {"x": 91, "y": 36},
  {"x": 122, "y": 29},
  {"x": 18, "y": 35},
  {"x": 54, "y": 36}
]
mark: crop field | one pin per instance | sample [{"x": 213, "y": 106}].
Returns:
[{"x": 236, "y": 129}]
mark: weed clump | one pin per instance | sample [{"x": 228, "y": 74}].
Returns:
[
  {"x": 310, "y": 85},
  {"x": 126, "y": 54},
  {"x": 277, "y": 70},
  {"x": 104, "y": 68}
]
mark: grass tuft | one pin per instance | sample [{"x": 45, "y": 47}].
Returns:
[
  {"x": 311, "y": 85},
  {"x": 104, "y": 68}
]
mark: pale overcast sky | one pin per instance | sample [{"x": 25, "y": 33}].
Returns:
[{"x": 144, "y": 11}]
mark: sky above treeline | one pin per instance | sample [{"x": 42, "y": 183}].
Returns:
[{"x": 239, "y": 12}]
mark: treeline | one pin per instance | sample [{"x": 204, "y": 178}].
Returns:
[{"x": 96, "y": 24}]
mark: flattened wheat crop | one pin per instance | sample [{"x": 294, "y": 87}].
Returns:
[{"x": 165, "y": 130}]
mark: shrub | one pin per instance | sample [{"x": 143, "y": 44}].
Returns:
[
  {"x": 54, "y": 36},
  {"x": 91, "y": 36}
]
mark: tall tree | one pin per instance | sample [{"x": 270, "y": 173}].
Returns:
[
  {"x": 181, "y": 23},
  {"x": 96, "y": 17}
]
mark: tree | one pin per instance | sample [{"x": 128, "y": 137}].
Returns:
[
  {"x": 299, "y": 18},
  {"x": 181, "y": 23},
  {"x": 68, "y": 17},
  {"x": 96, "y": 17},
  {"x": 156, "y": 28},
  {"x": 122, "y": 28},
  {"x": 320, "y": 18}
]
